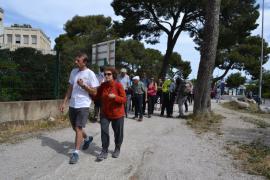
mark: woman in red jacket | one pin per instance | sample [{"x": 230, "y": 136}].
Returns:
[
  {"x": 113, "y": 98},
  {"x": 151, "y": 96}
]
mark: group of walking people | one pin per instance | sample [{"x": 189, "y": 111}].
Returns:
[{"x": 116, "y": 95}]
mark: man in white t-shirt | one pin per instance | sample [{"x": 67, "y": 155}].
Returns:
[{"x": 82, "y": 82}]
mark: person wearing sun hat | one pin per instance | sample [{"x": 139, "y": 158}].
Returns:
[{"x": 138, "y": 89}]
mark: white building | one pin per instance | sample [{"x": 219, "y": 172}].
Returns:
[{"x": 18, "y": 36}]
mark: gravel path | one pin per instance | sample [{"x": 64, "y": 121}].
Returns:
[{"x": 157, "y": 148}]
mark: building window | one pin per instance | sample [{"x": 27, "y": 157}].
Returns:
[
  {"x": 9, "y": 38},
  {"x": 25, "y": 39},
  {"x": 18, "y": 39},
  {"x": 34, "y": 39}
]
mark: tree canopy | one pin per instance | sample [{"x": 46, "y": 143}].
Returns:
[
  {"x": 237, "y": 20},
  {"x": 132, "y": 55},
  {"x": 235, "y": 80},
  {"x": 150, "y": 18}
]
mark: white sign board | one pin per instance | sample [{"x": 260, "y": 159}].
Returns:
[{"x": 104, "y": 53}]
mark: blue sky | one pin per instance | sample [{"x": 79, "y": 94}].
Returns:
[{"x": 51, "y": 15}]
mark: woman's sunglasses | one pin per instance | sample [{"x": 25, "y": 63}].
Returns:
[{"x": 107, "y": 74}]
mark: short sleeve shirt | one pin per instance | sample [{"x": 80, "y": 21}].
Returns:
[
  {"x": 80, "y": 97},
  {"x": 125, "y": 81},
  {"x": 138, "y": 88}
]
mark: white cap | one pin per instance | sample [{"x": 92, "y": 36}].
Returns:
[
  {"x": 123, "y": 70},
  {"x": 136, "y": 78}
]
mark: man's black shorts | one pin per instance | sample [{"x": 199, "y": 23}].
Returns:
[{"x": 78, "y": 117}]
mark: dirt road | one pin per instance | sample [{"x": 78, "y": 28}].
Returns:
[{"x": 157, "y": 148}]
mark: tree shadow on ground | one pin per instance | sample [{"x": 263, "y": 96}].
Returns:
[{"x": 65, "y": 146}]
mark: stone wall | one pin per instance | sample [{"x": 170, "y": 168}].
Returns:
[{"x": 29, "y": 110}]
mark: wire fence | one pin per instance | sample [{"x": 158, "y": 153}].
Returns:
[{"x": 16, "y": 86}]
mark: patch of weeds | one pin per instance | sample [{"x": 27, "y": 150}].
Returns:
[
  {"x": 205, "y": 123},
  {"x": 258, "y": 122},
  {"x": 254, "y": 158},
  {"x": 14, "y": 131}
]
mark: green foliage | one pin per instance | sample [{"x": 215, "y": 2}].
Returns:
[
  {"x": 236, "y": 48},
  {"x": 183, "y": 67},
  {"x": 246, "y": 56},
  {"x": 150, "y": 18},
  {"x": 266, "y": 85},
  {"x": 26, "y": 74},
  {"x": 235, "y": 80},
  {"x": 252, "y": 87},
  {"x": 129, "y": 54},
  {"x": 132, "y": 55}
]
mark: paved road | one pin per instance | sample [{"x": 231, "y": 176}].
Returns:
[{"x": 157, "y": 148}]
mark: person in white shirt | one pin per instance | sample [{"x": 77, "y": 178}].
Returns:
[
  {"x": 125, "y": 81},
  {"x": 82, "y": 82}
]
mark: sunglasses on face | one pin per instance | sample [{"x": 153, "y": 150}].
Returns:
[{"x": 107, "y": 74}]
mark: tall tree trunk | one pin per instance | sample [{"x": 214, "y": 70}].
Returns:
[
  {"x": 208, "y": 56},
  {"x": 165, "y": 62}
]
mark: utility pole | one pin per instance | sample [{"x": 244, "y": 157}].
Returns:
[{"x": 261, "y": 60}]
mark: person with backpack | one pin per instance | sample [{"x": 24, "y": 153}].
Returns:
[
  {"x": 166, "y": 97},
  {"x": 172, "y": 95},
  {"x": 181, "y": 95}
]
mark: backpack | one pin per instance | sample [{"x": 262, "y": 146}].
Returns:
[{"x": 183, "y": 89}]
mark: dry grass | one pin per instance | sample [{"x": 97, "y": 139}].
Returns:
[
  {"x": 254, "y": 158},
  {"x": 253, "y": 109},
  {"x": 14, "y": 131},
  {"x": 205, "y": 123},
  {"x": 258, "y": 122}
]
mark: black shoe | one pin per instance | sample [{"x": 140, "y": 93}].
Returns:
[
  {"x": 135, "y": 117},
  {"x": 161, "y": 115},
  {"x": 149, "y": 116},
  {"x": 103, "y": 155},
  {"x": 74, "y": 158},
  {"x": 87, "y": 143},
  {"x": 169, "y": 116},
  {"x": 116, "y": 153},
  {"x": 140, "y": 119}
]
